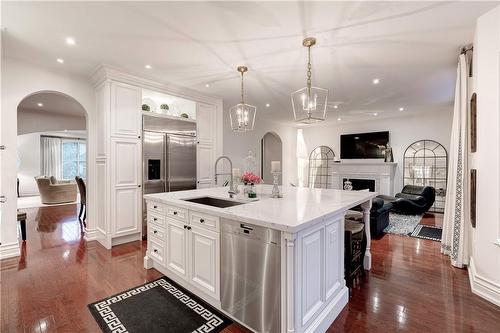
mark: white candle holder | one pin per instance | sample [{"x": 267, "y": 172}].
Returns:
[{"x": 276, "y": 189}]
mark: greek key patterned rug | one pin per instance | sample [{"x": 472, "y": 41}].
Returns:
[
  {"x": 402, "y": 224},
  {"x": 157, "y": 306}
]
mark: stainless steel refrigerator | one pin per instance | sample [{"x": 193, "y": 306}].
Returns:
[{"x": 169, "y": 156}]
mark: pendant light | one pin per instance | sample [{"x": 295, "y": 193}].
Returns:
[
  {"x": 242, "y": 116},
  {"x": 309, "y": 103}
]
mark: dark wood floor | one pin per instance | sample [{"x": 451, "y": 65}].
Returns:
[{"x": 411, "y": 287}]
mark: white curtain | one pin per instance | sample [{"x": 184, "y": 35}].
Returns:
[
  {"x": 51, "y": 156},
  {"x": 456, "y": 228}
]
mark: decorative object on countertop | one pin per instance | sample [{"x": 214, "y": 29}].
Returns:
[
  {"x": 309, "y": 103},
  {"x": 242, "y": 115},
  {"x": 145, "y": 107},
  {"x": 184, "y": 115},
  {"x": 164, "y": 107},
  {"x": 236, "y": 179},
  {"x": 250, "y": 179},
  {"x": 276, "y": 172},
  {"x": 250, "y": 163},
  {"x": 157, "y": 306},
  {"x": 388, "y": 156},
  {"x": 348, "y": 185}
]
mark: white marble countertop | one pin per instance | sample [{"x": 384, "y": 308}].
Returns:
[{"x": 298, "y": 209}]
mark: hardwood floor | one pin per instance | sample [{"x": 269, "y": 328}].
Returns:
[{"x": 411, "y": 287}]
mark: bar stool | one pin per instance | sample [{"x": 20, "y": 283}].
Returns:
[{"x": 354, "y": 252}]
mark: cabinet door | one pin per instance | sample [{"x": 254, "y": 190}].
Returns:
[
  {"x": 205, "y": 123},
  {"x": 126, "y": 194},
  {"x": 125, "y": 110},
  {"x": 333, "y": 265},
  {"x": 177, "y": 258},
  {"x": 205, "y": 165},
  {"x": 204, "y": 260},
  {"x": 126, "y": 211}
]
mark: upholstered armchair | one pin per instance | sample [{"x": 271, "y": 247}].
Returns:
[
  {"x": 54, "y": 192},
  {"x": 414, "y": 199}
]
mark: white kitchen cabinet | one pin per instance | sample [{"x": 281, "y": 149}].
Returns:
[
  {"x": 125, "y": 110},
  {"x": 125, "y": 213},
  {"x": 205, "y": 123},
  {"x": 334, "y": 270},
  {"x": 204, "y": 259},
  {"x": 177, "y": 249},
  {"x": 205, "y": 153},
  {"x": 205, "y": 165}
]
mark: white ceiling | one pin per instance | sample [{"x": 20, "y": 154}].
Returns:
[
  {"x": 52, "y": 102},
  {"x": 411, "y": 46}
]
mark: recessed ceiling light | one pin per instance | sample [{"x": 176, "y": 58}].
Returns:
[
  {"x": 376, "y": 81},
  {"x": 60, "y": 60},
  {"x": 70, "y": 41},
  {"x": 335, "y": 106},
  {"x": 401, "y": 109},
  {"x": 268, "y": 105},
  {"x": 339, "y": 119},
  {"x": 148, "y": 67},
  {"x": 39, "y": 104},
  {"x": 375, "y": 114},
  {"x": 207, "y": 85}
]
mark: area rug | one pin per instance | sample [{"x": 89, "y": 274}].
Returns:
[
  {"x": 402, "y": 224},
  {"x": 157, "y": 306},
  {"x": 428, "y": 232}
]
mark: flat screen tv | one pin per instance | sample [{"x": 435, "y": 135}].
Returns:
[{"x": 363, "y": 145}]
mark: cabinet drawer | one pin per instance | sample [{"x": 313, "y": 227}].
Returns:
[
  {"x": 157, "y": 208},
  {"x": 177, "y": 213},
  {"x": 156, "y": 219},
  {"x": 204, "y": 220},
  {"x": 156, "y": 251},
  {"x": 157, "y": 234}
]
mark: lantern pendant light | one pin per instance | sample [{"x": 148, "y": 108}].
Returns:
[
  {"x": 309, "y": 103},
  {"x": 242, "y": 115}
]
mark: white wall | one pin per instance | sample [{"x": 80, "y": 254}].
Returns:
[
  {"x": 28, "y": 159},
  {"x": 403, "y": 131},
  {"x": 485, "y": 258},
  {"x": 32, "y": 121},
  {"x": 20, "y": 79},
  {"x": 237, "y": 145}
]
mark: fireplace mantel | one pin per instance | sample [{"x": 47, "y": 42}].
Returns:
[{"x": 381, "y": 172}]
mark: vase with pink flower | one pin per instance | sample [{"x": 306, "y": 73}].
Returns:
[{"x": 250, "y": 179}]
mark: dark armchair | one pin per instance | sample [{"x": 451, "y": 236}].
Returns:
[
  {"x": 414, "y": 199},
  {"x": 379, "y": 216}
]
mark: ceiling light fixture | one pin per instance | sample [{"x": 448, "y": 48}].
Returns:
[
  {"x": 207, "y": 85},
  {"x": 39, "y": 104},
  {"x": 401, "y": 109},
  {"x": 376, "y": 81},
  {"x": 268, "y": 105},
  {"x": 309, "y": 103},
  {"x": 242, "y": 115},
  {"x": 148, "y": 67},
  {"x": 375, "y": 114},
  {"x": 339, "y": 119},
  {"x": 60, "y": 60},
  {"x": 335, "y": 106},
  {"x": 70, "y": 41}
]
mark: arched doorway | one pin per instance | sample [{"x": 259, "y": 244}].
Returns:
[
  {"x": 52, "y": 150},
  {"x": 271, "y": 150}
]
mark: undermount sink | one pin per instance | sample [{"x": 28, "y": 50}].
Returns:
[{"x": 215, "y": 202}]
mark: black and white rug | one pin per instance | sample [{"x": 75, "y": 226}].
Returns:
[
  {"x": 402, "y": 224},
  {"x": 157, "y": 306},
  {"x": 428, "y": 232}
]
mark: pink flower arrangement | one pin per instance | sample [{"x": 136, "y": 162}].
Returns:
[{"x": 249, "y": 177}]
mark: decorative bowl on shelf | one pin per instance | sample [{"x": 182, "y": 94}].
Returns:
[
  {"x": 145, "y": 107},
  {"x": 164, "y": 107},
  {"x": 184, "y": 115}
]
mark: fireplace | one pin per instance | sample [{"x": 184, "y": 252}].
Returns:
[{"x": 361, "y": 184}]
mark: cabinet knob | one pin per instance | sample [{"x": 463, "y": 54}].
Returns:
[
  {"x": 188, "y": 228},
  {"x": 156, "y": 231},
  {"x": 155, "y": 219},
  {"x": 155, "y": 207},
  {"x": 138, "y": 137},
  {"x": 202, "y": 220},
  {"x": 155, "y": 250},
  {"x": 138, "y": 185},
  {"x": 185, "y": 227},
  {"x": 175, "y": 213}
]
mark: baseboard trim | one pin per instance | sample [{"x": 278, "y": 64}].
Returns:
[
  {"x": 91, "y": 235},
  {"x": 483, "y": 287},
  {"x": 10, "y": 250},
  {"x": 329, "y": 313}
]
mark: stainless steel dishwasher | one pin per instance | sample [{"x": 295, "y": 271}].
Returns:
[{"x": 250, "y": 275}]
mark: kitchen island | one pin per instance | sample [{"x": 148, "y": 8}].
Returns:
[{"x": 275, "y": 265}]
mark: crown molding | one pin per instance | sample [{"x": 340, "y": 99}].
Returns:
[{"x": 105, "y": 72}]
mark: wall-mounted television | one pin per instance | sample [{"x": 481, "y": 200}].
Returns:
[{"x": 363, "y": 145}]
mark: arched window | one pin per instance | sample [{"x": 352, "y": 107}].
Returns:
[
  {"x": 426, "y": 164},
  {"x": 320, "y": 167}
]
